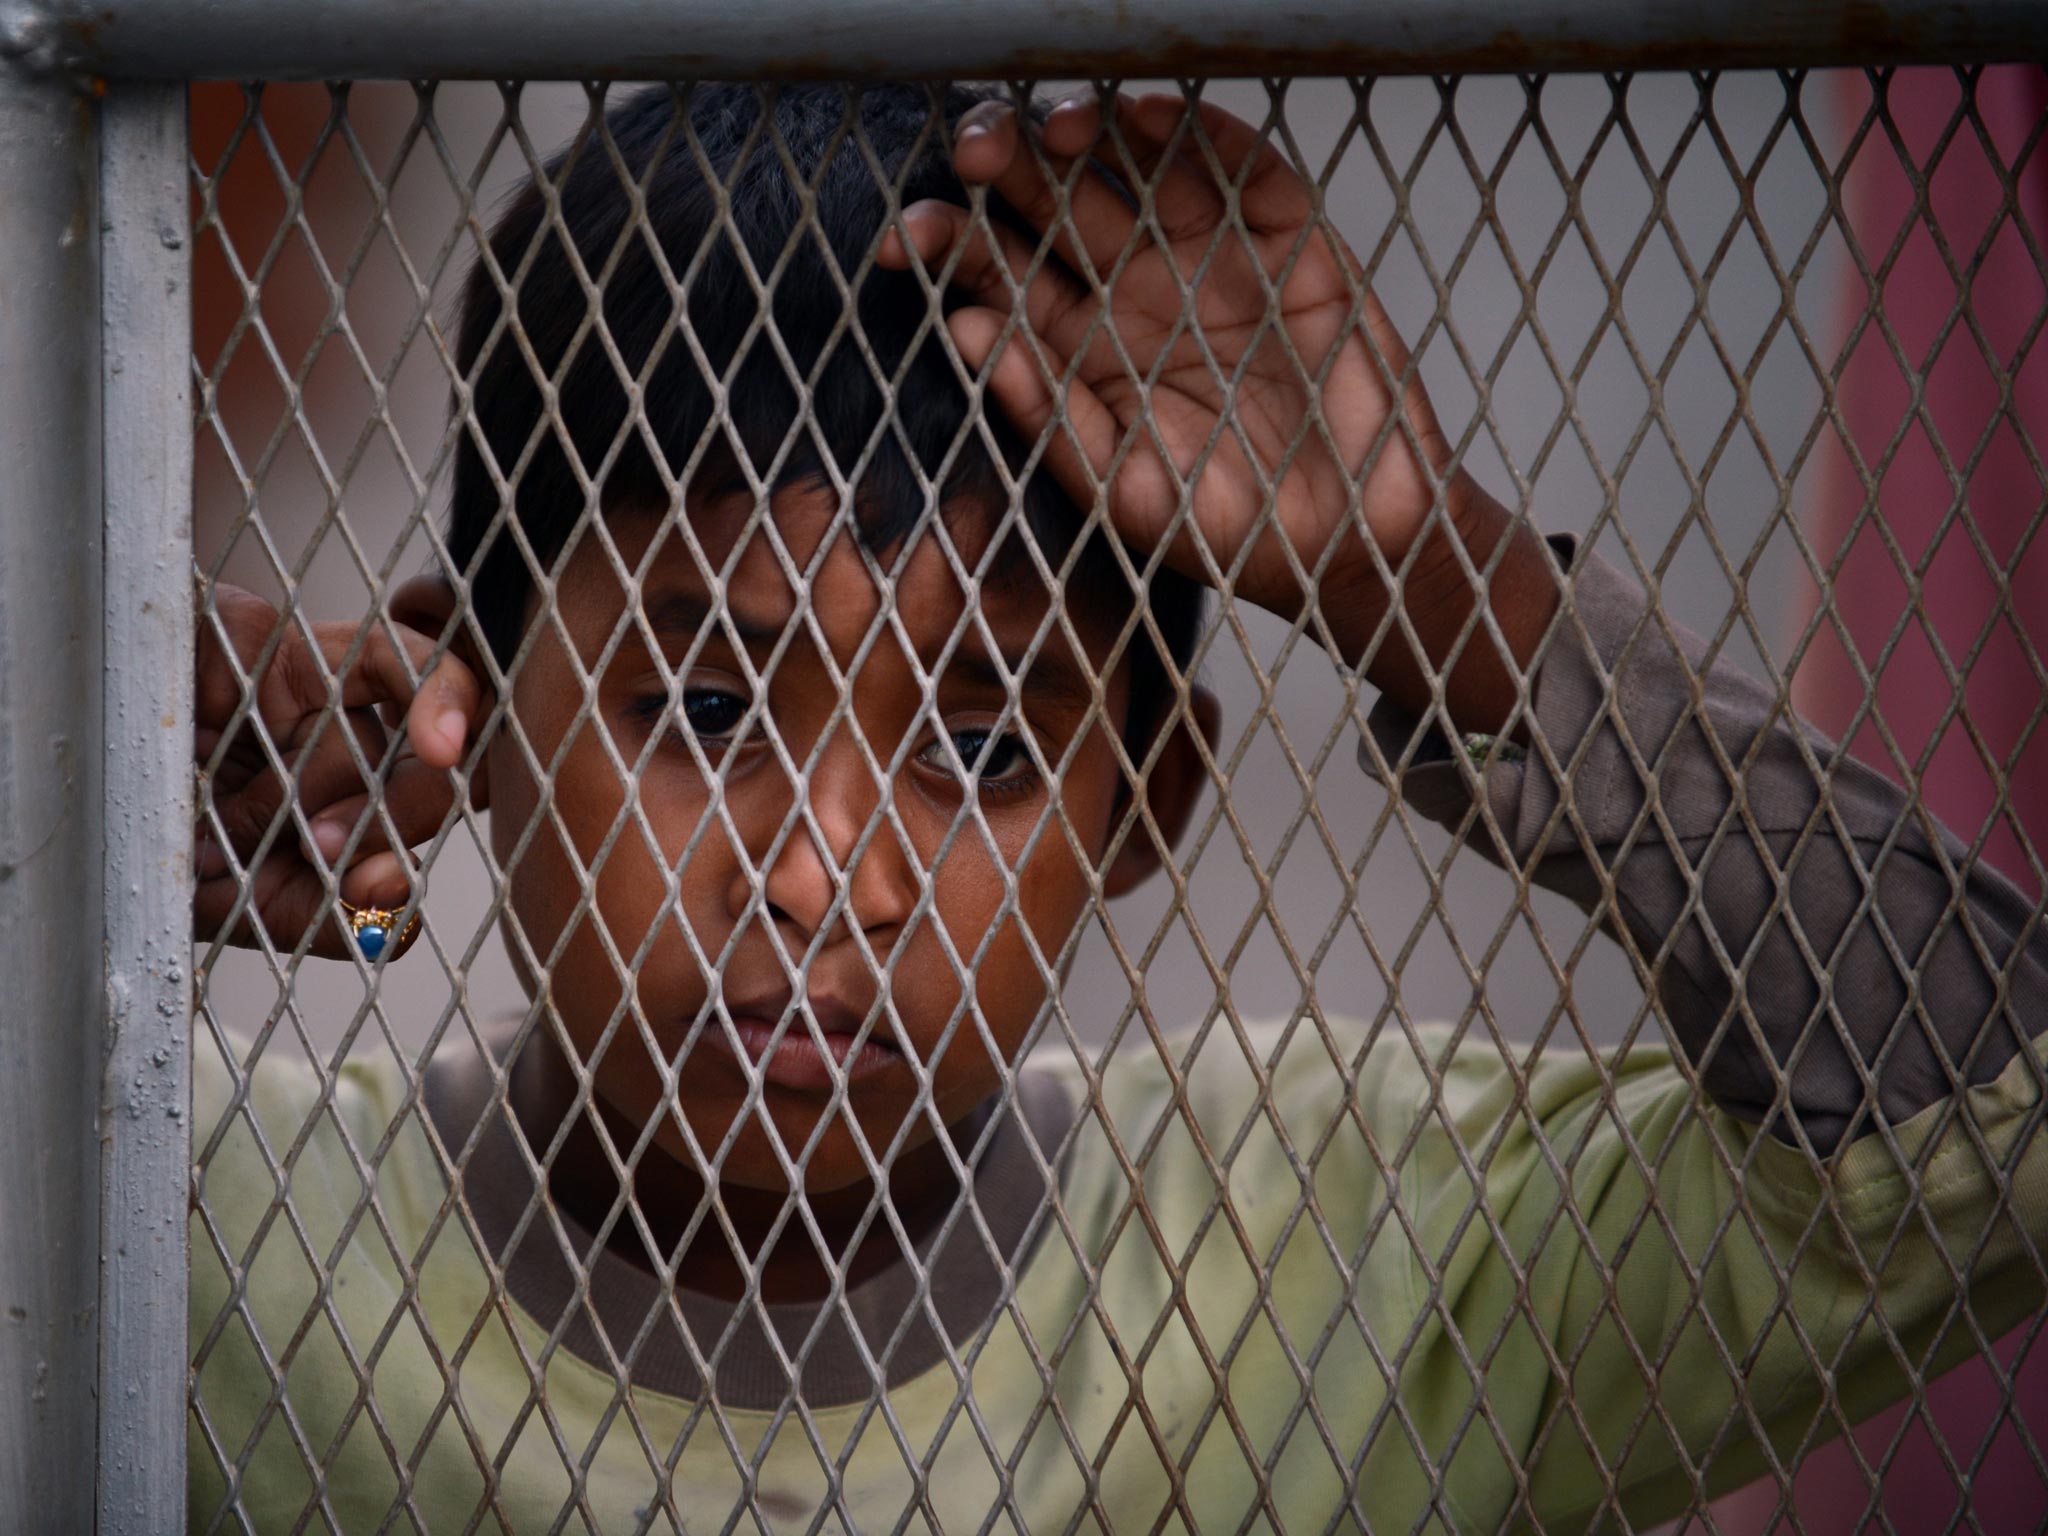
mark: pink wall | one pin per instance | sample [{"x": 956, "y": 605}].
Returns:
[{"x": 2003, "y": 303}]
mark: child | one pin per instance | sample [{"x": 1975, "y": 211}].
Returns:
[{"x": 800, "y": 795}]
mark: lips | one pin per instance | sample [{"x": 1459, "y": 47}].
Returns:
[{"x": 796, "y": 1061}]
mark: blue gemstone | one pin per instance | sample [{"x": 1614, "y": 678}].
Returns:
[{"x": 370, "y": 940}]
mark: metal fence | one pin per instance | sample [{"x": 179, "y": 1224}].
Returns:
[{"x": 1532, "y": 1081}]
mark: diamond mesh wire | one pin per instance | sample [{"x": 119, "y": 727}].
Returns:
[{"x": 1286, "y": 1254}]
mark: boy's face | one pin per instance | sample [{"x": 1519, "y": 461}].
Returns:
[{"x": 714, "y": 940}]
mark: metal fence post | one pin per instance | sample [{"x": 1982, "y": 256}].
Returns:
[
  {"x": 146, "y": 1129},
  {"x": 51, "y": 829}
]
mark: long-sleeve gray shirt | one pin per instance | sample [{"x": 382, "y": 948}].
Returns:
[{"x": 1818, "y": 942}]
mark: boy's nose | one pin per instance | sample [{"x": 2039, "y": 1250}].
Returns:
[{"x": 802, "y": 879}]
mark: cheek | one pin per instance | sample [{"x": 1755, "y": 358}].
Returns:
[
  {"x": 1053, "y": 880},
  {"x": 567, "y": 826},
  {"x": 1008, "y": 953},
  {"x": 665, "y": 831},
  {"x": 1029, "y": 845},
  {"x": 624, "y": 847},
  {"x": 540, "y": 879}
]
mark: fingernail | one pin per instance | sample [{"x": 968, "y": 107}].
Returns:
[
  {"x": 329, "y": 837},
  {"x": 981, "y": 119},
  {"x": 453, "y": 724}
]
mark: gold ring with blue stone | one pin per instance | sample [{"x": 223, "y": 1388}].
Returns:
[{"x": 375, "y": 929}]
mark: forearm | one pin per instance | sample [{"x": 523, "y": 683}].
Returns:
[
  {"x": 1481, "y": 684},
  {"x": 1830, "y": 939}
]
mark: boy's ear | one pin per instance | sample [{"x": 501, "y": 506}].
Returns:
[
  {"x": 427, "y": 604},
  {"x": 1171, "y": 790}
]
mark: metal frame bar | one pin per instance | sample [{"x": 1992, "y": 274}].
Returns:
[
  {"x": 51, "y": 833},
  {"x": 146, "y": 349},
  {"x": 838, "y": 39},
  {"x": 95, "y": 818}
]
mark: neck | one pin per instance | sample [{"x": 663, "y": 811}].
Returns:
[{"x": 848, "y": 1236}]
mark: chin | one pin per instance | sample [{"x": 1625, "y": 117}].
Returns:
[{"x": 752, "y": 1164}]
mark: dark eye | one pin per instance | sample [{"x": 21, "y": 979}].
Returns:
[
  {"x": 996, "y": 761},
  {"x": 710, "y": 713}
]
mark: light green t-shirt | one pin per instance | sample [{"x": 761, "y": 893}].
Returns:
[{"x": 1348, "y": 1339}]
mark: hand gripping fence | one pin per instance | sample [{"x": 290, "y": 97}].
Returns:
[{"x": 1622, "y": 1117}]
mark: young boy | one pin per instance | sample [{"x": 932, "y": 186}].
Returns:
[{"x": 806, "y": 756}]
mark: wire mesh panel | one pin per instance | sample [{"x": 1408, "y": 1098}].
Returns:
[{"x": 982, "y": 808}]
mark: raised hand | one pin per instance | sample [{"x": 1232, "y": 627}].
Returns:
[
  {"x": 288, "y": 891},
  {"x": 1278, "y": 301},
  {"x": 1275, "y": 283}
]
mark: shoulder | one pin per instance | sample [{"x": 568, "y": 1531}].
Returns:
[
  {"x": 271, "y": 1079},
  {"x": 271, "y": 1123},
  {"x": 1315, "y": 1106},
  {"x": 1388, "y": 1073},
  {"x": 1380, "y": 1104}
]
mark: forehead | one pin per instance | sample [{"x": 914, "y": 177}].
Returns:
[{"x": 804, "y": 554}]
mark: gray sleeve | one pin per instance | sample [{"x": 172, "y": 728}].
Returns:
[{"x": 1871, "y": 944}]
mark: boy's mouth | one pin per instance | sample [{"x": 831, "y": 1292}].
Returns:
[{"x": 796, "y": 1061}]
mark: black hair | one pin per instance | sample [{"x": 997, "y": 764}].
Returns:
[{"x": 692, "y": 148}]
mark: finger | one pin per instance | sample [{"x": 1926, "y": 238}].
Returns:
[
  {"x": 288, "y": 897},
  {"x": 439, "y": 712},
  {"x": 1079, "y": 125},
  {"x": 1187, "y": 198},
  {"x": 1270, "y": 194},
  {"x": 1081, "y": 442},
  {"x": 993, "y": 268},
  {"x": 984, "y": 140},
  {"x": 241, "y": 821},
  {"x": 295, "y": 898},
  {"x": 324, "y": 763},
  {"x": 318, "y": 770},
  {"x": 382, "y": 880},
  {"x": 241, "y": 625},
  {"x": 209, "y": 858},
  {"x": 1095, "y": 226},
  {"x": 415, "y": 803},
  {"x": 1073, "y": 125},
  {"x": 441, "y": 708}
]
